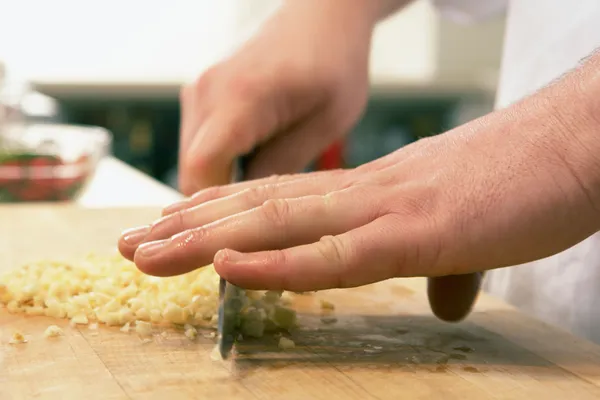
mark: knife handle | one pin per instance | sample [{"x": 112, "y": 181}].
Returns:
[{"x": 452, "y": 297}]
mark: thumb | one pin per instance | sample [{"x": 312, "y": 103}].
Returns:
[{"x": 222, "y": 137}]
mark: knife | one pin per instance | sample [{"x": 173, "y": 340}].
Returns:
[{"x": 231, "y": 297}]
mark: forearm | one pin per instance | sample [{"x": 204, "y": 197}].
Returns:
[
  {"x": 360, "y": 13},
  {"x": 542, "y": 171},
  {"x": 572, "y": 130}
]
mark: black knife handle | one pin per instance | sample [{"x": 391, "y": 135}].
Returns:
[{"x": 452, "y": 297}]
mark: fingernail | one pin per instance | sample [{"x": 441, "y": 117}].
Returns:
[
  {"x": 229, "y": 256},
  {"x": 170, "y": 209},
  {"x": 136, "y": 235},
  {"x": 152, "y": 248}
]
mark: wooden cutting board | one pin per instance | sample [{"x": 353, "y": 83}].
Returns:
[{"x": 385, "y": 344}]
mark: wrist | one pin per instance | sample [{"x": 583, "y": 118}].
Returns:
[
  {"x": 573, "y": 107},
  {"x": 339, "y": 32}
]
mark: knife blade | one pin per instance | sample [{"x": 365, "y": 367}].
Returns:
[{"x": 231, "y": 297}]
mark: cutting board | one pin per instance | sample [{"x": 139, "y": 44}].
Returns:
[{"x": 385, "y": 343}]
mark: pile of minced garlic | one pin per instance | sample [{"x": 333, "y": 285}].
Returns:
[{"x": 114, "y": 292}]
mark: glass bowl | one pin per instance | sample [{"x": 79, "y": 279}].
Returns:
[{"x": 49, "y": 162}]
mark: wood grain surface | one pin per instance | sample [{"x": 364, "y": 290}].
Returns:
[{"x": 385, "y": 344}]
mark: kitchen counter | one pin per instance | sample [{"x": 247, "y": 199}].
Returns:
[{"x": 116, "y": 184}]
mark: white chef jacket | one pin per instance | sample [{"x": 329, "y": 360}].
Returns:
[{"x": 544, "y": 39}]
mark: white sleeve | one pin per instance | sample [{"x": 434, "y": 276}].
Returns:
[{"x": 468, "y": 11}]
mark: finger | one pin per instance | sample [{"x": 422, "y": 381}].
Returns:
[
  {"x": 276, "y": 224},
  {"x": 292, "y": 151},
  {"x": 188, "y": 109},
  {"x": 207, "y": 212},
  {"x": 130, "y": 240},
  {"x": 223, "y": 136},
  {"x": 217, "y": 192},
  {"x": 350, "y": 259},
  {"x": 452, "y": 297},
  {"x": 190, "y": 117}
]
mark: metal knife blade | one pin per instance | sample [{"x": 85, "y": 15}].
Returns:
[{"x": 231, "y": 297}]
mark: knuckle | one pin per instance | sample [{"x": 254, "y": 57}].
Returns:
[
  {"x": 277, "y": 212},
  {"x": 366, "y": 194},
  {"x": 333, "y": 249},
  {"x": 422, "y": 216},
  {"x": 418, "y": 207},
  {"x": 278, "y": 179},
  {"x": 242, "y": 87},
  {"x": 178, "y": 219},
  {"x": 191, "y": 163},
  {"x": 255, "y": 196},
  {"x": 333, "y": 198},
  {"x": 341, "y": 176},
  {"x": 361, "y": 189},
  {"x": 237, "y": 129},
  {"x": 205, "y": 80},
  {"x": 277, "y": 258}
]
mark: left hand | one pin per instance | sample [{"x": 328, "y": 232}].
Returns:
[{"x": 482, "y": 196}]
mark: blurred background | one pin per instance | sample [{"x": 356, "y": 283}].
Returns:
[{"x": 119, "y": 65}]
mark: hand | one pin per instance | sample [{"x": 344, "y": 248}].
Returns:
[
  {"x": 290, "y": 91},
  {"x": 480, "y": 197}
]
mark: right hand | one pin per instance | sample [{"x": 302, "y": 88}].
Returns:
[{"x": 293, "y": 89}]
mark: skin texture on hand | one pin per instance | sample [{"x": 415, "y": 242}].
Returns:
[{"x": 517, "y": 185}]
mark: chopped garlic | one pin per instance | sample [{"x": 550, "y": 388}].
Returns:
[
  {"x": 53, "y": 331},
  {"x": 113, "y": 291},
  {"x": 272, "y": 296},
  {"x": 143, "y": 328},
  {"x": 125, "y": 328},
  {"x": 191, "y": 332},
  {"x": 188, "y": 326},
  {"x": 285, "y": 343},
  {"x": 326, "y": 305},
  {"x": 175, "y": 314},
  {"x": 17, "y": 338},
  {"x": 80, "y": 319},
  {"x": 286, "y": 299},
  {"x": 252, "y": 324},
  {"x": 155, "y": 316},
  {"x": 283, "y": 317},
  {"x": 142, "y": 314},
  {"x": 215, "y": 354},
  {"x": 125, "y": 315}
]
